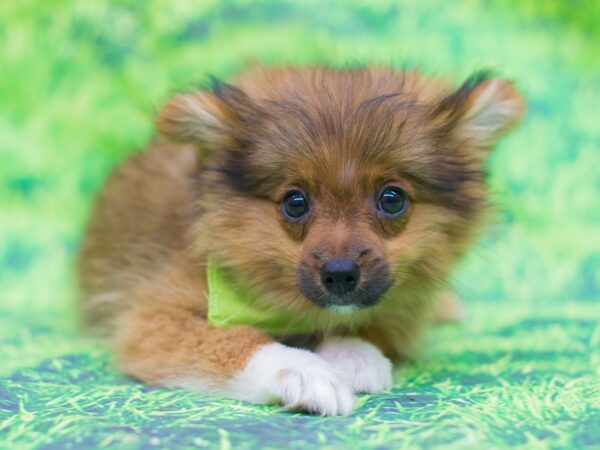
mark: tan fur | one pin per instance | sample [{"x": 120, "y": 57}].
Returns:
[{"x": 168, "y": 208}]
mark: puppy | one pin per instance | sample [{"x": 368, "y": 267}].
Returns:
[{"x": 328, "y": 205}]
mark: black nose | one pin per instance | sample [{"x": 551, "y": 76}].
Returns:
[{"x": 340, "y": 276}]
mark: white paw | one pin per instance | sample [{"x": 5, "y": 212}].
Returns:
[
  {"x": 360, "y": 361},
  {"x": 296, "y": 378}
]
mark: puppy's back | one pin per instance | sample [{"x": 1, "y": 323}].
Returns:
[{"x": 139, "y": 218}]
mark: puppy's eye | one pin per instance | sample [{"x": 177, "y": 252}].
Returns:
[
  {"x": 392, "y": 201},
  {"x": 294, "y": 205}
]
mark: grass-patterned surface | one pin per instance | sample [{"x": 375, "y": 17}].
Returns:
[
  {"x": 516, "y": 382},
  {"x": 79, "y": 84}
]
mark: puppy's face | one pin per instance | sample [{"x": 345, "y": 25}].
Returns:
[{"x": 330, "y": 187}]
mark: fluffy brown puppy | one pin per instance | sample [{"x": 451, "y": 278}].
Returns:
[{"x": 343, "y": 197}]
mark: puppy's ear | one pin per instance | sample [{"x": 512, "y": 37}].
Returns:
[
  {"x": 208, "y": 118},
  {"x": 483, "y": 109}
]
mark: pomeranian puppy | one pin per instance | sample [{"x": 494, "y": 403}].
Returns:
[{"x": 327, "y": 205}]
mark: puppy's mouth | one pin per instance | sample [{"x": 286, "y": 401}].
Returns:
[{"x": 342, "y": 286}]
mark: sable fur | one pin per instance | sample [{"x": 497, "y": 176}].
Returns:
[{"x": 211, "y": 183}]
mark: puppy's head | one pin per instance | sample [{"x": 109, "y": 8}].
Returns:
[{"x": 328, "y": 187}]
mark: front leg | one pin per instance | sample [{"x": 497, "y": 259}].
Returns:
[
  {"x": 368, "y": 370},
  {"x": 172, "y": 346}
]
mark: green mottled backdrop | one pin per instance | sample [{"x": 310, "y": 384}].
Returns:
[{"x": 79, "y": 84}]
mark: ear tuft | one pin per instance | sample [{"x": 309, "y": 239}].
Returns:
[
  {"x": 484, "y": 108},
  {"x": 194, "y": 117}
]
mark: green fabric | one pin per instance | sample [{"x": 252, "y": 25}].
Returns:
[
  {"x": 232, "y": 304},
  {"x": 80, "y": 82}
]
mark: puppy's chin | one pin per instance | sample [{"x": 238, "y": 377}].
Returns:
[
  {"x": 367, "y": 295},
  {"x": 342, "y": 309}
]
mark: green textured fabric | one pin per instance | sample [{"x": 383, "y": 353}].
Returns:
[
  {"x": 80, "y": 82},
  {"x": 233, "y": 304}
]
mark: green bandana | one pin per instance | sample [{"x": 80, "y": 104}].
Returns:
[{"x": 230, "y": 304}]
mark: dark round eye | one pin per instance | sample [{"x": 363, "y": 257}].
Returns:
[
  {"x": 294, "y": 204},
  {"x": 392, "y": 201}
]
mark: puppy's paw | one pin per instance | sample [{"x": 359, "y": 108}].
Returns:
[
  {"x": 298, "y": 379},
  {"x": 360, "y": 361}
]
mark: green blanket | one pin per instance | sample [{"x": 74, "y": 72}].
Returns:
[{"x": 79, "y": 85}]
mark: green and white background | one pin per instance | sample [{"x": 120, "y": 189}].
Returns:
[{"x": 79, "y": 84}]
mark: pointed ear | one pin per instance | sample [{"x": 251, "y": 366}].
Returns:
[
  {"x": 208, "y": 118},
  {"x": 483, "y": 109}
]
